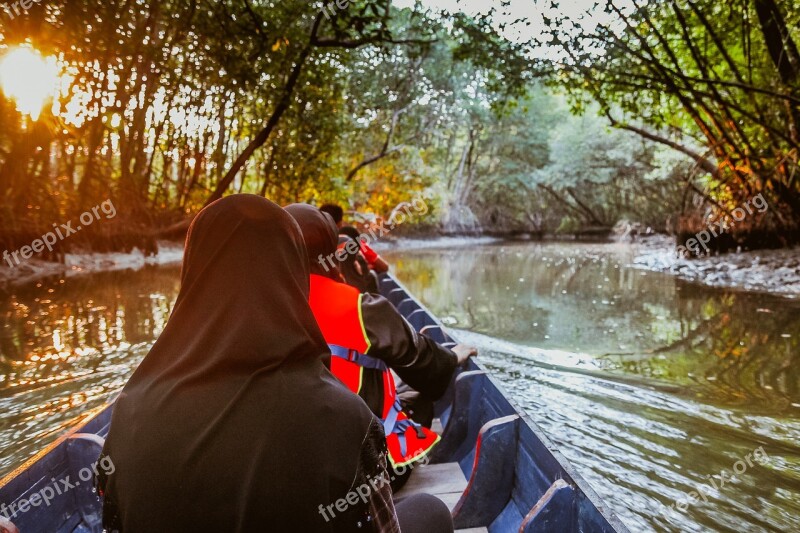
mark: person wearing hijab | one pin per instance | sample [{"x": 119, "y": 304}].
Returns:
[
  {"x": 375, "y": 261},
  {"x": 233, "y": 422},
  {"x": 354, "y": 267},
  {"x": 369, "y": 338}
]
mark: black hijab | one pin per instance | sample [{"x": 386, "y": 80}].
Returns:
[
  {"x": 351, "y": 232},
  {"x": 321, "y": 237},
  {"x": 354, "y": 267},
  {"x": 231, "y": 422}
]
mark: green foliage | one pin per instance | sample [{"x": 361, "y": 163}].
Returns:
[
  {"x": 163, "y": 97},
  {"x": 168, "y": 104},
  {"x": 558, "y": 172},
  {"x": 718, "y": 81}
]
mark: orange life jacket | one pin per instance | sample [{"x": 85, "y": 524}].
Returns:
[{"x": 337, "y": 308}]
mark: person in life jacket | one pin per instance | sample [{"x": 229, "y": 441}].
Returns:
[
  {"x": 374, "y": 260},
  {"x": 354, "y": 267},
  {"x": 368, "y": 338}
]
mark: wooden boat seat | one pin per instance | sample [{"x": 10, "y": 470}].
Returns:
[
  {"x": 446, "y": 481},
  {"x": 497, "y": 493},
  {"x": 516, "y": 478},
  {"x": 396, "y": 296},
  {"x": 473, "y": 405}
]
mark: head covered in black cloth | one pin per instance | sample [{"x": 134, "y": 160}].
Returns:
[
  {"x": 232, "y": 422},
  {"x": 354, "y": 267},
  {"x": 351, "y": 232},
  {"x": 321, "y": 237}
]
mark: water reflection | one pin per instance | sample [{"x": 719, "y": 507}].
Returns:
[
  {"x": 728, "y": 347},
  {"x": 647, "y": 384},
  {"x": 66, "y": 346}
]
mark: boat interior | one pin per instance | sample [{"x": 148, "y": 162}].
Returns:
[{"x": 493, "y": 467}]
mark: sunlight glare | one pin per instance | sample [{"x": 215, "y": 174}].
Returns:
[{"x": 29, "y": 79}]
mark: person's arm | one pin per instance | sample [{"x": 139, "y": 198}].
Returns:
[
  {"x": 380, "y": 265},
  {"x": 419, "y": 361},
  {"x": 376, "y": 262}
]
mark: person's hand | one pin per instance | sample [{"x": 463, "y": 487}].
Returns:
[{"x": 464, "y": 352}]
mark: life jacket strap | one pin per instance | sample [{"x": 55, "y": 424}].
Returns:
[
  {"x": 400, "y": 430},
  {"x": 391, "y": 424},
  {"x": 356, "y": 357},
  {"x": 399, "y": 427}
]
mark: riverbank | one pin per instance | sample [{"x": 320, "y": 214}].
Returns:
[
  {"x": 772, "y": 271},
  {"x": 423, "y": 243},
  {"x": 87, "y": 263}
]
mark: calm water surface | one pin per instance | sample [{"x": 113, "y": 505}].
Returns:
[
  {"x": 648, "y": 385},
  {"x": 69, "y": 345}
]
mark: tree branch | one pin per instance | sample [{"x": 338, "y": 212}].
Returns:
[
  {"x": 329, "y": 42},
  {"x": 385, "y": 150},
  {"x": 264, "y": 134},
  {"x": 703, "y": 162}
]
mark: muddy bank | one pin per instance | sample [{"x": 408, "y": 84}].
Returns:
[
  {"x": 773, "y": 271},
  {"x": 171, "y": 252},
  {"x": 436, "y": 241},
  {"x": 86, "y": 263}
]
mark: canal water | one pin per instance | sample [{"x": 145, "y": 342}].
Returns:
[
  {"x": 67, "y": 346},
  {"x": 652, "y": 387},
  {"x": 655, "y": 389}
]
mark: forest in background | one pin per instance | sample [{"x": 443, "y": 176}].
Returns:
[{"x": 666, "y": 114}]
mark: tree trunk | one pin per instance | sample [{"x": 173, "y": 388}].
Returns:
[
  {"x": 782, "y": 48},
  {"x": 783, "y": 52},
  {"x": 263, "y": 135}
]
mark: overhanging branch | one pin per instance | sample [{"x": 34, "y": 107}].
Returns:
[{"x": 703, "y": 162}]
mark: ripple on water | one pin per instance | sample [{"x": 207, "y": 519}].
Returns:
[
  {"x": 68, "y": 346},
  {"x": 647, "y": 384},
  {"x": 643, "y": 450}
]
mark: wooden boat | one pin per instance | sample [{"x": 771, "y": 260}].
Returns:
[{"x": 494, "y": 467}]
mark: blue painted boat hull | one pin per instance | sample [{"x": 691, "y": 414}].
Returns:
[{"x": 518, "y": 481}]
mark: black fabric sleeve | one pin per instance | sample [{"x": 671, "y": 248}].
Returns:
[
  {"x": 111, "y": 521},
  {"x": 420, "y": 362},
  {"x": 374, "y": 474},
  {"x": 370, "y": 506}
]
